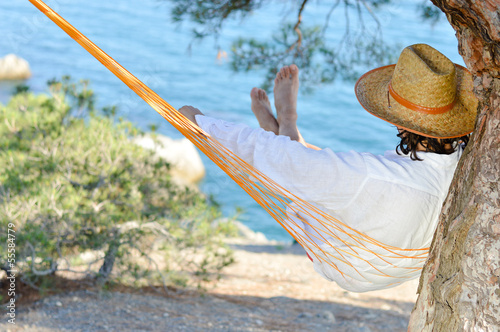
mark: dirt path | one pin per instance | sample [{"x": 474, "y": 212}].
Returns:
[{"x": 270, "y": 288}]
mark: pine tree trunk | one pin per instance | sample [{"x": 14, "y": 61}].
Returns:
[{"x": 460, "y": 285}]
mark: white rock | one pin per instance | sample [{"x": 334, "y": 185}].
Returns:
[
  {"x": 13, "y": 67},
  {"x": 181, "y": 154},
  {"x": 246, "y": 233},
  {"x": 90, "y": 255}
]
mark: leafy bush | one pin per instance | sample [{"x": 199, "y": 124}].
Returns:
[{"x": 84, "y": 199}]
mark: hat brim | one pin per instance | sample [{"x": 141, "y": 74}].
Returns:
[{"x": 372, "y": 92}]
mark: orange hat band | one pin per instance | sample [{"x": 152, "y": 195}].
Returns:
[{"x": 418, "y": 108}]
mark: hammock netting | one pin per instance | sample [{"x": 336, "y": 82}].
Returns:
[{"x": 354, "y": 260}]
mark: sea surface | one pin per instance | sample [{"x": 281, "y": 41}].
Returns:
[{"x": 141, "y": 36}]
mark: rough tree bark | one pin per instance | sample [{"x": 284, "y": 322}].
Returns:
[{"x": 460, "y": 285}]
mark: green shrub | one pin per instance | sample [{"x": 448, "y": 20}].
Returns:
[{"x": 84, "y": 199}]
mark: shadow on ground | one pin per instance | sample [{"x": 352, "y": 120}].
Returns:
[{"x": 141, "y": 310}]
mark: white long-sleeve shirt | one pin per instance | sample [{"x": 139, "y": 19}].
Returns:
[{"x": 390, "y": 198}]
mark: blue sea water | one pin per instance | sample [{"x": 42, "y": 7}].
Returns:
[{"x": 140, "y": 35}]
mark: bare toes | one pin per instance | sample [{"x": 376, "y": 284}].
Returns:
[
  {"x": 284, "y": 72},
  {"x": 278, "y": 75},
  {"x": 254, "y": 93},
  {"x": 259, "y": 94}
]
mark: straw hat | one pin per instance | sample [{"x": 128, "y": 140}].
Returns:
[{"x": 424, "y": 93}]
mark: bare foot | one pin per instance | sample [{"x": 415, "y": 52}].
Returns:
[
  {"x": 286, "y": 88},
  {"x": 261, "y": 107}
]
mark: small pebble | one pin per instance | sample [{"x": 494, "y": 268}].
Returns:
[
  {"x": 329, "y": 316},
  {"x": 305, "y": 315},
  {"x": 364, "y": 328}
]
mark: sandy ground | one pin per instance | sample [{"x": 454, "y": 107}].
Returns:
[{"x": 269, "y": 288}]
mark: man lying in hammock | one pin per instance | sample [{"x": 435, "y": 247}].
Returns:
[{"x": 396, "y": 198}]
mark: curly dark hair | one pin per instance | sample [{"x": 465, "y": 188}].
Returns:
[{"x": 410, "y": 142}]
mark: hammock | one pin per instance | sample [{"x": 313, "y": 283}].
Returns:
[{"x": 340, "y": 253}]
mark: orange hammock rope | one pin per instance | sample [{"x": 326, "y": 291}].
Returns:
[{"x": 345, "y": 245}]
